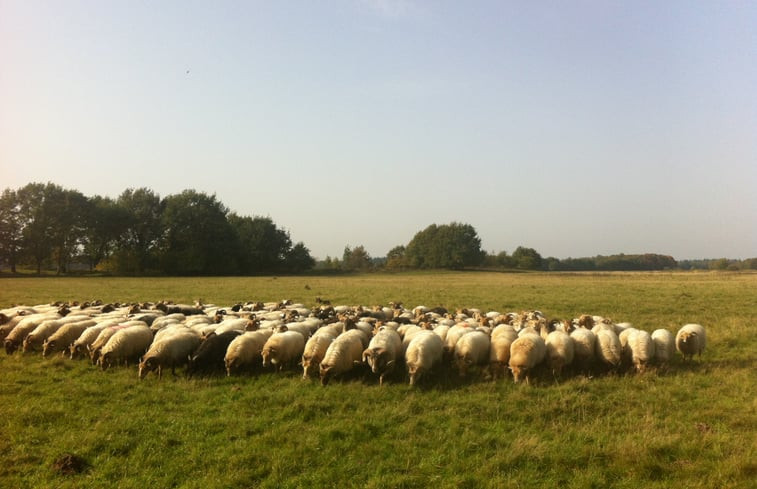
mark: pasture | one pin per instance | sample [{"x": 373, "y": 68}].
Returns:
[{"x": 692, "y": 426}]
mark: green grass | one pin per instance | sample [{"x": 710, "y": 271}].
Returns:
[{"x": 694, "y": 426}]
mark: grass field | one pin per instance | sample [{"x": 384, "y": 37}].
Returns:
[{"x": 694, "y": 426}]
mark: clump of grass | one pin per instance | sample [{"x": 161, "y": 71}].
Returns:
[{"x": 691, "y": 426}]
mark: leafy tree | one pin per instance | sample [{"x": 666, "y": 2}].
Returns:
[
  {"x": 104, "y": 226},
  {"x": 527, "y": 258},
  {"x": 263, "y": 247},
  {"x": 452, "y": 245},
  {"x": 68, "y": 223},
  {"x": 395, "y": 258},
  {"x": 298, "y": 258},
  {"x": 356, "y": 258},
  {"x": 10, "y": 228},
  {"x": 36, "y": 221},
  {"x": 197, "y": 237},
  {"x": 142, "y": 228}
]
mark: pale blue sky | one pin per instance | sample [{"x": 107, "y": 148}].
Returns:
[{"x": 576, "y": 128}]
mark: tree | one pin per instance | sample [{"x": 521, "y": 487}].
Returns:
[
  {"x": 142, "y": 229},
  {"x": 262, "y": 247},
  {"x": 356, "y": 259},
  {"x": 10, "y": 228},
  {"x": 104, "y": 226},
  {"x": 197, "y": 237},
  {"x": 527, "y": 258},
  {"x": 395, "y": 258},
  {"x": 69, "y": 209},
  {"x": 452, "y": 245},
  {"x": 298, "y": 259},
  {"x": 36, "y": 221}
]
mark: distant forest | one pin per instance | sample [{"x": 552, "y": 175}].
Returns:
[{"x": 45, "y": 227}]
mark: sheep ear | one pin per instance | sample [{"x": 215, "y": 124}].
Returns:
[
  {"x": 356, "y": 363},
  {"x": 390, "y": 363}
]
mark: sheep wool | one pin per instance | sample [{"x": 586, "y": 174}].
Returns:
[
  {"x": 691, "y": 340},
  {"x": 526, "y": 352},
  {"x": 423, "y": 354},
  {"x": 342, "y": 355}
]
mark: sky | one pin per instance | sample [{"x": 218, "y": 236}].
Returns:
[{"x": 575, "y": 128}]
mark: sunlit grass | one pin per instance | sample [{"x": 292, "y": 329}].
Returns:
[{"x": 691, "y": 426}]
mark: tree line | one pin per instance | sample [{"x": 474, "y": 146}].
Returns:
[{"x": 190, "y": 233}]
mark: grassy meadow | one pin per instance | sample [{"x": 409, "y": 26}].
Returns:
[{"x": 692, "y": 426}]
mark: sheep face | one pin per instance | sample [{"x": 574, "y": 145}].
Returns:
[
  {"x": 520, "y": 372},
  {"x": 415, "y": 373},
  {"x": 105, "y": 361},
  {"x": 10, "y": 346},
  {"x": 269, "y": 357},
  {"x": 48, "y": 347},
  {"x": 326, "y": 373},
  {"x": 145, "y": 367}
]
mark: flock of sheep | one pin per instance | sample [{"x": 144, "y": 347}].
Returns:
[{"x": 330, "y": 341}]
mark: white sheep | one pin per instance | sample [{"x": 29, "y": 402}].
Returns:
[
  {"x": 526, "y": 352},
  {"x": 691, "y": 340},
  {"x": 664, "y": 346},
  {"x": 560, "y": 351},
  {"x": 499, "y": 350},
  {"x": 84, "y": 341},
  {"x": 172, "y": 350},
  {"x": 283, "y": 349},
  {"x": 423, "y": 354},
  {"x": 584, "y": 348},
  {"x": 642, "y": 349},
  {"x": 65, "y": 336},
  {"x": 245, "y": 350},
  {"x": 608, "y": 349},
  {"x": 126, "y": 344},
  {"x": 383, "y": 352},
  {"x": 472, "y": 350},
  {"x": 315, "y": 349},
  {"x": 453, "y": 335},
  {"x": 342, "y": 355},
  {"x": 17, "y": 335},
  {"x": 104, "y": 336},
  {"x": 626, "y": 356}
]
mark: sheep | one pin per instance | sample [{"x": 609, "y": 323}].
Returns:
[
  {"x": 126, "y": 344},
  {"x": 471, "y": 350},
  {"x": 584, "y": 348},
  {"x": 65, "y": 336},
  {"x": 560, "y": 351},
  {"x": 303, "y": 329},
  {"x": 35, "y": 340},
  {"x": 170, "y": 351},
  {"x": 283, "y": 349},
  {"x": 642, "y": 349},
  {"x": 315, "y": 349},
  {"x": 423, "y": 354},
  {"x": 499, "y": 349},
  {"x": 342, "y": 355},
  {"x": 691, "y": 340},
  {"x": 608, "y": 349},
  {"x": 664, "y": 345},
  {"x": 526, "y": 352},
  {"x": 104, "y": 336},
  {"x": 235, "y": 324},
  {"x": 209, "y": 356},
  {"x": 85, "y": 340},
  {"x": 245, "y": 350},
  {"x": 626, "y": 357},
  {"x": 17, "y": 335},
  {"x": 383, "y": 352},
  {"x": 8, "y": 326},
  {"x": 453, "y": 335}
]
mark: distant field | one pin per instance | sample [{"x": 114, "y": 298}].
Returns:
[{"x": 694, "y": 426}]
